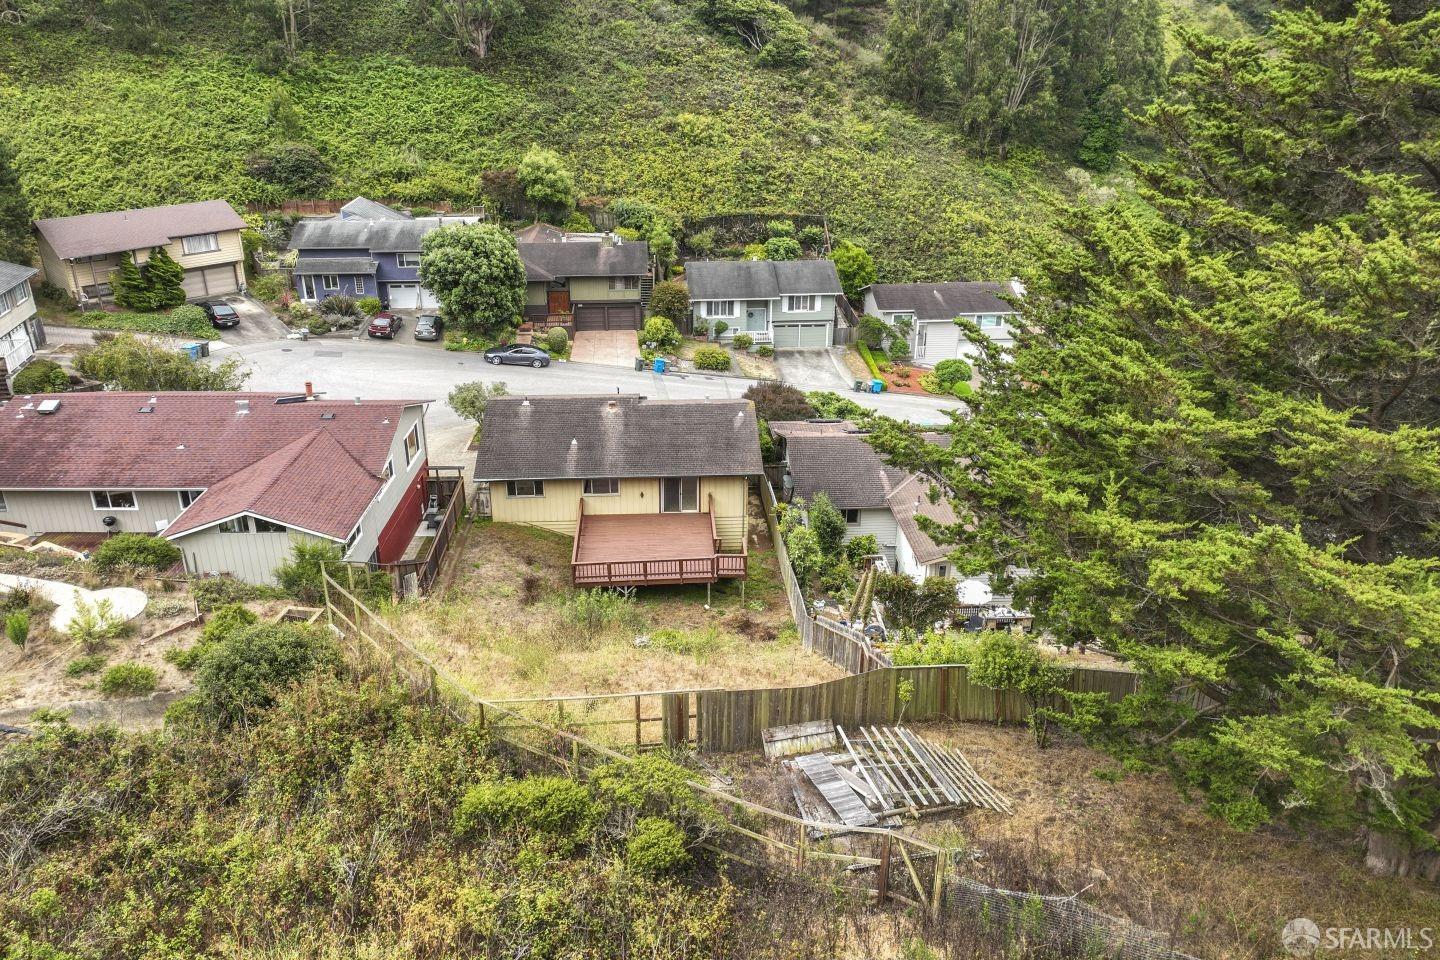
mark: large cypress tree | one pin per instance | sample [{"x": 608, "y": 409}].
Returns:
[
  {"x": 1218, "y": 442},
  {"x": 16, "y": 243},
  {"x": 166, "y": 278}
]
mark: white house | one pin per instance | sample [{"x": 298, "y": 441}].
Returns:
[
  {"x": 20, "y": 330},
  {"x": 932, "y": 309}
]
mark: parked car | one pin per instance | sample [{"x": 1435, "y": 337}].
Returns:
[
  {"x": 222, "y": 315},
  {"x": 428, "y": 327},
  {"x": 385, "y": 325},
  {"x": 521, "y": 353}
]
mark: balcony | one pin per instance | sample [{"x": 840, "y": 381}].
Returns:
[{"x": 650, "y": 549}]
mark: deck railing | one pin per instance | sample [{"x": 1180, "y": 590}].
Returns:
[
  {"x": 704, "y": 569},
  {"x": 447, "y": 485}
]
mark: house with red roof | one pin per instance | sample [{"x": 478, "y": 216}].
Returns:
[{"x": 232, "y": 479}]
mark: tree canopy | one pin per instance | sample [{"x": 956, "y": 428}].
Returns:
[
  {"x": 128, "y": 362},
  {"x": 1216, "y": 443},
  {"x": 476, "y": 273},
  {"x": 547, "y": 182}
]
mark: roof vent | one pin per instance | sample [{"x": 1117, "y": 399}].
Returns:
[
  {"x": 525, "y": 402},
  {"x": 242, "y": 406},
  {"x": 179, "y": 446},
  {"x": 47, "y": 406},
  {"x": 574, "y": 442},
  {"x": 357, "y": 401},
  {"x": 613, "y": 404},
  {"x": 327, "y": 416},
  {"x": 147, "y": 409},
  {"x": 153, "y": 400}
]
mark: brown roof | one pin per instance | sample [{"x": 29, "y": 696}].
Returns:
[
  {"x": 844, "y": 467},
  {"x": 312, "y": 465},
  {"x": 910, "y": 500},
  {"x": 567, "y": 437},
  {"x": 811, "y": 428},
  {"x": 93, "y": 234}
]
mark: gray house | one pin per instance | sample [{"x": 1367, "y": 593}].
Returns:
[
  {"x": 789, "y": 303},
  {"x": 932, "y": 309},
  {"x": 20, "y": 329}
]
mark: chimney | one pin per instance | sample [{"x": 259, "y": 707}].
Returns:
[
  {"x": 309, "y": 390},
  {"x": 357, "y": 401}
]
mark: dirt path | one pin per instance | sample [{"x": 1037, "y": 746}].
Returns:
[{"x": 135, "y": 713}]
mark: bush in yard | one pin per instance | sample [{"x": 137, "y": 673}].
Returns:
[
  {"x": 243, "y": 672},
  {"x": 41, "y": 376},
  {"x": 128, "y": 680},
  {"x": 670, "y": 300},
  {"x": 181, "y": 322},
  {"x": 135, "y": 550},
  {"x": 916, "y": 607},
  {"x": 656, "y": 847},
  {"x": 949, "y": 373},
  {"x": 128, "y": 362},
  {"x": 869, "y": 359},
  {"x": 712, "y": 358},
  {"x": 129, "y": 287},
  {"x": 268, "y": 287},
  {"x": 95, "y": 623},
  {"x": 782, "y": 248},
  {"x": 662, "y": 333},
  {"x": 765, "y": 350},
  {"x": 578, "y": 222},
  {"x": 476, "y": 273},
  {"x": 189, "y": 315},
  {"x": 340, "y": 303},
  {"x": 780, "y": 228},
  {"x": 743, "y": 341},
  {"x": 855, "y": 267},
  {"x": 166, "y": 280},
  {"x": 227, "y": 621},
  {"x": 557, "y": 340},
  {"x": 873, "y": 331},
  {"x": 369, "y": 306},
  {"x": 17, "y": 627},
  {"x": 212, "y": 593},
  {"x": 828, "y": 524},
  {"x": 899, "y": 349},
  {"x": 556, "y": 806},
  {"x": 1008, "y": 661},
  {"x": 805, "y": 556},
  {"x": 548, "y": 183},
  {"x": 779, "y": 402},
  {"x": 812, "y": 236},
  {"x": 594, "y": 610},
  {"x": 865, "y": 545},
  {"x": 934, "y": 649},
  {"x": 719, "y": 328},
  {"x": 300, "y": 576},
  {"x": 86, "y": 665}
]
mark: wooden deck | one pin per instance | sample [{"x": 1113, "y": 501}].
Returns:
[{"x": 640, "y": 549}]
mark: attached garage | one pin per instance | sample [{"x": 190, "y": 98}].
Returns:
[
  {"x": 216, "y": 281},
  {"x": 410, "y": 296},
  {"x": 936, "y": 341},
  {"x": 802, "y": 336},
  {"x": 607, "y": 316}
]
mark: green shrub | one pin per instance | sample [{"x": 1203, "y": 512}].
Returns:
[
  {"x": 598, "y": 609},
  {"x": 578, "y": 223},
  {"x": 86, "y": 665},
  {"x": 557, "y": 340},
  {"x": 340, "y": 304},
  {"x": 243, "y": 672},
  {"x": 948, "y": 373},
  {"x": 869, "y": 358},
  {"x": 17, "y": 627},
  {"x": 743, "y": 341},
  {"x": 300, "y": 576},
  {"x": 712, "y": 358},
  {"x": 369, "y": 306},
  {"x": 813, "y": 237},
  {"x": 226, "y": 622},
  {"x": 190, "y": 316},
  {"x": 268, "y": 287},
  {"x": 765, "y": 350},
  {"x": 41, "y": 376},
  {"x": 297, "y": 168},
  {"x": 653, "y": 786},
  {"x": 782, "y": 248},
  {"x": 670, "y": 300},
  {"x": 872, "y": 331},
  {"x": 661, "y": 332},
  {"x": 135, "y": 550},
  {"x": 656, "y": 847},
  {"x": 185, "y": 325},
  {"x": 211, "y": 593},
  {"x": 935, "y": 649},
  {"x": 719, "y": 328},
  {"x": 865, "y": 545},
  {"x": 557, "y": 806},
  {"x": 95, "y": 623},
  {"x": 780, "y": 228},
  {"x": 779, "y": 401},
  {"x": 185, "y": 658},
  {"x": 128, "y": 680}
]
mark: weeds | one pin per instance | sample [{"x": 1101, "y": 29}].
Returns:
[{"x": 128, "y": 680}]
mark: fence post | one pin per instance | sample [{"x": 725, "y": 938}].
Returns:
[
  {"x": 800, "y": 841},
  {"x": 637, "y": 723},
  {"x": 325, "y": 589},
  {"x": 937, "y": 893},
  {"x": 882, "y": 876}
]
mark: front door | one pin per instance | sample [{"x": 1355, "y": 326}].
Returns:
[
  {"x": 680, "y": 495},
  {"x": 558, "y": 301},
  {"x": 755, "y": 318}
]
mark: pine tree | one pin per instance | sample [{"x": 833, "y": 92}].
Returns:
[
  {"x": 131, "y": 287},
  {"x": 166, "y": 279}
]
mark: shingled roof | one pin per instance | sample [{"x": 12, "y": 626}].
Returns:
[
  {"x": 548, "y": 260},
  {"x": 843, "y": 466},
  {"x": 570, "y": 437},
  {"x": 759, "y": 279},
  {"x": 313, "y": 465},
  {"x": 14, "y": 274},
  {"x": 94, "y": 234},
  {"x": 911, "y": 499},
  {"x": 363, "y": 208},
  {"x": 376, "y": 236},
  {"x": 942, "y": 301}
]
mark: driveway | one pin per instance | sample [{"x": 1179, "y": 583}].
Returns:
[
  {"x": 814, "y": 369},
  {"x": 614, "y": 348},
  {"x": 257, "y": 323}
]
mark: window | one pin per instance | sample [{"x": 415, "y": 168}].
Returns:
[
  {"x": 411, "y": 260},
  {"x": 266, "y": 526},
  {"x": 942, "y": 571},
  {"x": 200, "y": 243},
  {"x": 525, "y": 488},
  {"x": 389, "y": 470},
  {"x": 602, "y": 486},
  {"x": 330, "y": 281},
  {"x": 94, "y": 291},
  {"x": 234, "y": 525},
  {"x": 718, "y": 309},
  {"x": 680, "y": 495},
  {"x": 188, "y": 497},
  {"x": 801, "y": 304},
  {"x": 921, "y": 334},
  {"x": 624, "y": 283},
  {"x": 3, "y": 505},
  {"x": 851, "y": 516},
  {"x": 359, "y": 286},
  {"x": 12, "y": 298},
  {"x": 412, "y": 444},
  {"x": 114, "y": 500},
  {"x": 990, "y": 320},
  {"x": 350, "y": 540}
]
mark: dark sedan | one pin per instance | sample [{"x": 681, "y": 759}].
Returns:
[
  {"x": 428, "y": 327},
  {"x": 384, "y": 326},
  {"x": 222, "y": 315},
  {"x": 521, "y": 353}
]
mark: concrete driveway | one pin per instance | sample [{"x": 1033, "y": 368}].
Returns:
[
  {"x": 814, "y": 369},
  {"x": 614, "y": 348},
  {"x": 257, "y": 323}
]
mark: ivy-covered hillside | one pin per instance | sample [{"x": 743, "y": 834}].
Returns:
[{"x": 642, "y": 97}]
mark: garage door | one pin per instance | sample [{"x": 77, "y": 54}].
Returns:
[
  {"x": 202, "y": 282},
  {"x": 607, "y": 316},
  {"x": 936, "y": 342},
  {"x": 802, "y": 336},
  {"x": 404, "y": 296}
]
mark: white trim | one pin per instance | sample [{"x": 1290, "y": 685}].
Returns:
[
  {"x": 586, "y": 492},
  {"x": 812, "y": 298},
  {"x": 212, "y": 244},
  {"x": 250, "y": 513},
  {"x": 539, "y": 493},
  {"x": 401, "y": 263},
  {"x": 359, "y": 286},
  {"x": 133, "y": 499},
  {"x": 419, "y": 446}
]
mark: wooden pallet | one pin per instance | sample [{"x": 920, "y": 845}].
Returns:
[{"x": 909, "y": 773}]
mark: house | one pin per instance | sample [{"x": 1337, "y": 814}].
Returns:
[
  {"x": 790, "y": 303},
  {"x": 20, "y": 329},
  {"x": 652, "y": 491},
  {"x": 835, "y": 458},
  {"x": 232, "y": 479},
  {"x": 365, "y": 250},
  {"x": 932, "y": 309},
  {"x": 591, "y": 281},
  {"x": 79, "y": 254}
]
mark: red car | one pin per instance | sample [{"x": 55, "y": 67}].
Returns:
[{"x": 384, "y": 325}]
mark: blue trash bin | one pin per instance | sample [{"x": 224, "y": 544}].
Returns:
[
  {"x": 659, "y": 364},
  {"x": 193, "y": 349},
  {"x": 877, "y": 385}
]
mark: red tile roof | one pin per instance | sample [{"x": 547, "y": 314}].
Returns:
[{"x": 314, "y": 465}]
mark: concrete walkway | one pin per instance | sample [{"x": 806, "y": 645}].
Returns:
[
  {"x": 614, "y": 348},
  {"x": 126, "y": 603}
]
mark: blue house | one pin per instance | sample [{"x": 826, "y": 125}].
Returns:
[{"x": 367, "y": 250}]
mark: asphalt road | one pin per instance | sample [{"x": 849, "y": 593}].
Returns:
[{"x": 380, "y": 369}]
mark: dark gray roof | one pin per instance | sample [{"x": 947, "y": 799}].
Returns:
[
  {"x": 844, "y": 466},
  {"x": 912, "y": 499},
  {"x": 759, "y": 279},
  {"x": 14, "y": 274},
  {"x": 314, "y": 266},
  {"x": 942, "y": 301},
  {"x": 811, "y": 428},
  {"x": 362, "y": 208},
  {"x": 557, "y": 437},
  {"x": 547, "y": 260},
  {"x": 377, "y": 236},
  {"x": 93, "y": 234}
]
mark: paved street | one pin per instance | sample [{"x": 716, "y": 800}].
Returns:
[{"x": 383, "y": 369}]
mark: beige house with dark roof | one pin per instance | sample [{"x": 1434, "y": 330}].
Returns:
[{"x": 79, "y": 254}]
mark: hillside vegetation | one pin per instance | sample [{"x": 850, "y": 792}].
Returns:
[{"x": 640, "y": 96}]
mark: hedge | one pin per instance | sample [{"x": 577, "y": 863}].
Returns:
[
  {"x": 869, "y": 359},
  {"x": 164, "y": 323}
]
